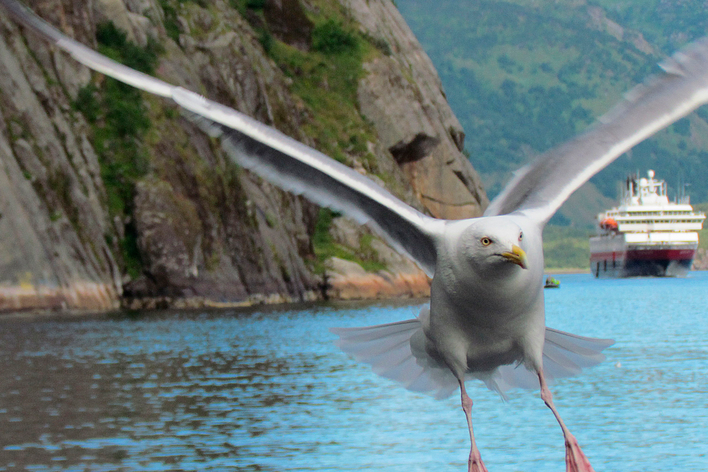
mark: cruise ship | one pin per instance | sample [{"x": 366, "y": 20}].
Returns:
[{"x": 646, "y": 235}]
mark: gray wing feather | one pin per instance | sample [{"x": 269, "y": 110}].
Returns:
[
  {"x": 387, "y": 349},
  {"x": 302, "y": 170},
  {"x": 273, "y": 155},
  {"x": 564, "y": 355},
  {"x": 541, "y": 187},
  {"x": 393, "y": 351},
  {"x": 88, "y": 57}
]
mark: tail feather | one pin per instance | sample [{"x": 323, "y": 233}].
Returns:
[
  {"x": 405, "y": 372},
  {"x": 373, "y": 333},
  {"x": 389, "y": 350},
  {"x": 390, "y": 359},
  {"x": 564, "y": 355},
  {"x": 420, "y": 383},
  {"x": 555, "y": 359},
  {"x": 576, "y": 343},
  {"x": 396, "y": 351},
  {"x": 371, "y": 349},
  {"x": 511, "y": 376}
]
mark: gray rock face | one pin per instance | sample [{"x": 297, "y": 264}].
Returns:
[
  {"x": 403, "y": 96},
  {"x": 288, "y": 22},
  {"x": 53, "y": 250},
  {"x": 206, "y": 232}
]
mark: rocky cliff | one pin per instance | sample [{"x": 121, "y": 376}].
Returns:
[
  {"x": 109, "y": 196},
  {"x": 700, "y": 262}
]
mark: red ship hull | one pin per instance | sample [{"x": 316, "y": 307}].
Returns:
[{"x": 643, "y": 261}]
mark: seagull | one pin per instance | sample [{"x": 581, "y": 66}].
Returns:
[{"x": 486, "y": 317}]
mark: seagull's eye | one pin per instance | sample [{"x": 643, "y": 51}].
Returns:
[
  {"x": 485, "y": 241},
  {"x": 521, "y": 236}
]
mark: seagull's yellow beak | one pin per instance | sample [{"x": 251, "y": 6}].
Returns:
[{"x": 517, "y": 256}]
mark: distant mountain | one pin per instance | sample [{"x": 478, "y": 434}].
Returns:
[{"x": 524, "y": 75}]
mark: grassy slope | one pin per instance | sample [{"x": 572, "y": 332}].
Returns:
[
  {"x": 524, "y": 75},
  {"x": 566, "y": 247},
  {"x": 702, "y": 234}
]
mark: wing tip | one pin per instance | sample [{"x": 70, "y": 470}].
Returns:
[{"x": 24, "y": 15}]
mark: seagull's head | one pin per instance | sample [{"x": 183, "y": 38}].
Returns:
[{"x": 496, "y": 244}]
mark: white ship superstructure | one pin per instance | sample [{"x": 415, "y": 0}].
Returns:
[{"x": 647, "y": 235}]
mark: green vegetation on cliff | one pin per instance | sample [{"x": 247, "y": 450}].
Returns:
[
  {"x": 326, "y": 247},
  {"x": 119, "y": 121},
  {"x": 326, "y": 78}
]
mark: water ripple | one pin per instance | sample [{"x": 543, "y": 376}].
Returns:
[{"x": 266, "y": 390}]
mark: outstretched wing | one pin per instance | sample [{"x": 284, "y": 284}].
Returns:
[
  {"x": 542, "y": 186},
  {"x": 271, "y": 154}
]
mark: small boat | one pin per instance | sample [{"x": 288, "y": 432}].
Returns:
[{"x": 552, "y": 282}]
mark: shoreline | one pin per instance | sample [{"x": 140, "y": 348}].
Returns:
[
  {"x": 272, "y": 302},
  {"x": 565, "y": 270}
]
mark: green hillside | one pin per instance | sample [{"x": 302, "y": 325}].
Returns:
[
  {"x": 702, "y": 234},
  {"x": 566, "y": 247},
  {"x": 524, "y": 75},
  {"x": 668, "y": 25}
]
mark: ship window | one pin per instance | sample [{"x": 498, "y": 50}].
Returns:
[{"x": 605, "y": 266}]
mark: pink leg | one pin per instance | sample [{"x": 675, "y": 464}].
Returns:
[
  {"x": 575, "y": 460},
  {"x": 474, "y": 463}
]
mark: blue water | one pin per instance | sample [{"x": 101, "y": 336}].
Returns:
[{"x": 266, "y": 390}]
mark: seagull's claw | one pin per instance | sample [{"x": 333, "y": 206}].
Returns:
[{"x": 575, "y": 460}]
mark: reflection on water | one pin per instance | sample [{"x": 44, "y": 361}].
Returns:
[{"x": 267, "y": 390}]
